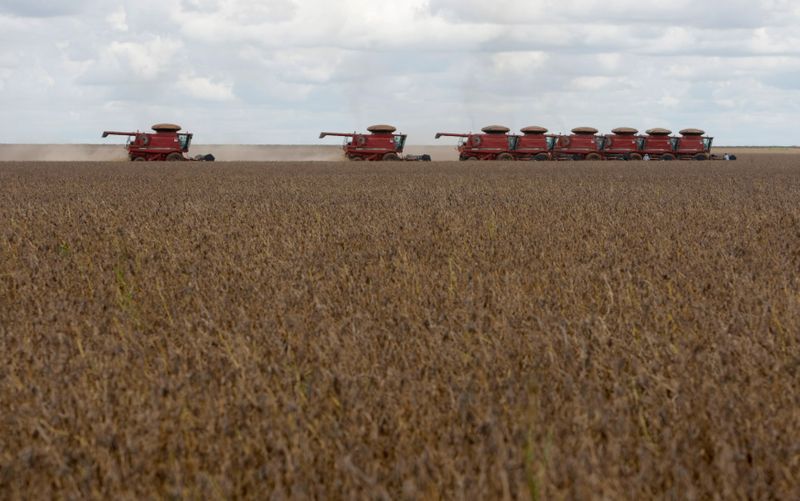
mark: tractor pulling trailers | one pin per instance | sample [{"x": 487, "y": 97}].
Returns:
[
  {"x": 167, "y": 143},
  {"x": 495, "y": 143},
  {"x": 381, "y": 144}
]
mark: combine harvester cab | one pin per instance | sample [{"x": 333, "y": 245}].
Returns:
[
  {"x": 167, "y": 143},
  {"x": 693, "y": 145},
  {"x": 582, "y": 144},
  {"x": 533, "y": 144},
  {"x": 494, "y": 144},
  {"x": 381, "y": 144},
  {"x": 623, "y": 144}
]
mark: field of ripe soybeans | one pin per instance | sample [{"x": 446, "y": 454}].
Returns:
[{"x": 380, "y": 331}]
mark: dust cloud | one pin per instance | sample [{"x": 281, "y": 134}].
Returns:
[
  {"x": 222, "y": 152},
  {"x": 61, "y": 153}
]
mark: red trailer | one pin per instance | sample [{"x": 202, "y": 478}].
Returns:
[
  {"x": 381, "y": 144},
  {"x": 622, "y": 144},
  {"x": 494, "y": 144},
  {"x": 693, "y": 145},
  {"x": 582, "y": 144},
  {"x": 533, "y": 144},
  {"x": 166, "y": 143}
]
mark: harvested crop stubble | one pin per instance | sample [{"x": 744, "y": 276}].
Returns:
[{"x": 338, "y": 330}]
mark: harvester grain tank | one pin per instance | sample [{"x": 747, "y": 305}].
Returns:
[
  {"x": 622, "y": 144},
  {"x": 582, "y": 144},
  {"x": 533, "y": 144},
  {"x": 166, "y": 143},
  {"x": 381, "y": 144},
  {"x": 493, "y": 144}
]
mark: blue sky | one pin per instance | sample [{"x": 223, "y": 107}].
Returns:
[{"x": 280, "y": 71}]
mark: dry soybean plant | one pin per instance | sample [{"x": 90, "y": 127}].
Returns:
[{"x": 612, "y": 330}]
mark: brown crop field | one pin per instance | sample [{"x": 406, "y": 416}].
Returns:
[{"x": 332, "y": 330}]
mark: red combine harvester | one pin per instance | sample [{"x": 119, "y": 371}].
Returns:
[
  {"x": 494, "y": 144},
  {"x": 622, "y": 144},
  {"x": 165, "y": 144},
  {"x": 380, "y": 144},
  {"x": 693, "y": 145},
  {"x": 582, "y": 144},
  {"x": 533, "y": 144},
  {"x": 658, "y": 144}
]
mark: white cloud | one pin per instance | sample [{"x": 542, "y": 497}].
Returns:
[
  {"x": 204, "y": 88},
  {"x": 519, "y": 62},
  {"x": 42, "y": 8},
  {"x": 596, "y": 83},
  {"x": 140, "y": 61},
  {"x": 118, "y": 20},
  {"x": 669, "y": 101},
  {"x": 285, "y": 67}
]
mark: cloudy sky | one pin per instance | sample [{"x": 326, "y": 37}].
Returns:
[{"x": 279, "y": 71}]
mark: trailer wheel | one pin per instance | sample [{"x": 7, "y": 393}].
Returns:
[
  {"x": 390, "y": 157},
  {"x": 138, "y": 159},
  {"x": 667, "y": 157},
  {"x": 505, "y": 157},
  {"x": 540, "y": 157},
  {"x": 470, "y": 159},
  {"x": 701, "y": 156},
  {"x": 593, "y": 157},
  {"x": 635, "y": 157},
  {"x": 174, "y": 157},
  {"x": 356, "y": 159}
]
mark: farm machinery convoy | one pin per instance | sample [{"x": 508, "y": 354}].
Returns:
[
  {"x": 495, "y": 142},
  {"x": 624, "y": 143}
]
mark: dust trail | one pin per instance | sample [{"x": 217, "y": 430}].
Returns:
[
  {"x": 222, "y": 152},
  {"x": 301, "y": 153},
  {"x": 269, "y": 153},
  {"x": 62, "y": 152}
]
